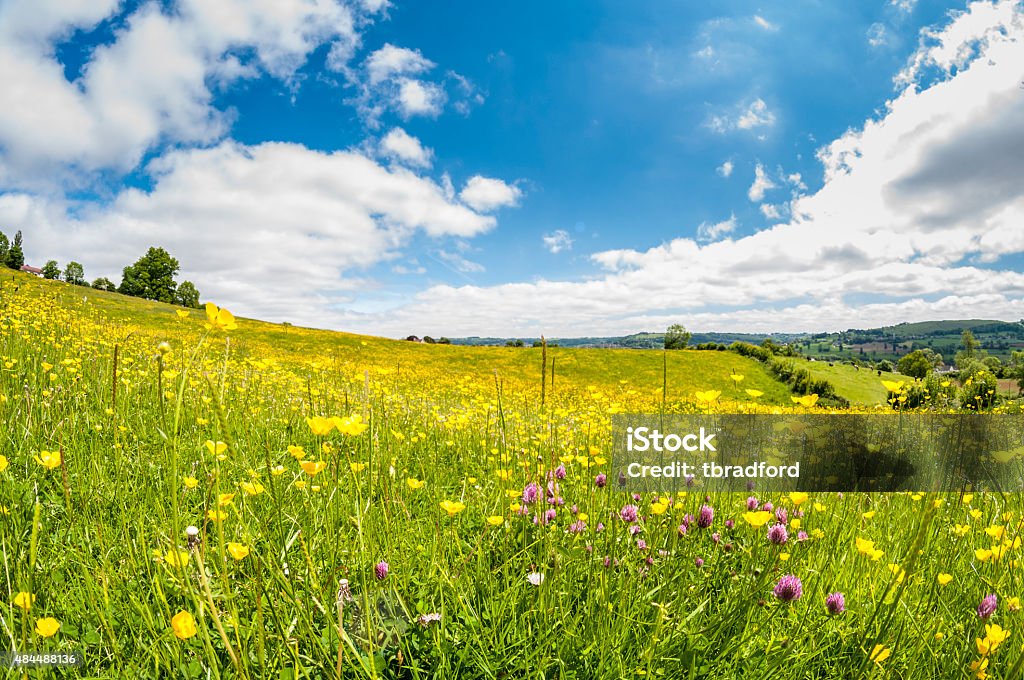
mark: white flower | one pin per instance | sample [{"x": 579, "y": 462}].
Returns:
[{"x": 536, "y": 578}]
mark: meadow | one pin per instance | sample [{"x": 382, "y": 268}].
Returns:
[
  {"x": 185, "y": 494},
  {"x": 861, "y": 386}
]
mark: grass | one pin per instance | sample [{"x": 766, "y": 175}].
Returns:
[
  {"x": 306, "y": 459},
  {"x": 860, "y": 386},
  {"x": 619, "y": 370}
]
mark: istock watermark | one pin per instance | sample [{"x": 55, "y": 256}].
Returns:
[{"x": 819, "y": 452}]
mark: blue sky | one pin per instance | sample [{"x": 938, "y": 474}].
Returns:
[{"x": 631, "y": 164}]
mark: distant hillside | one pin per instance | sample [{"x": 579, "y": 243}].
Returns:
[
  {"x": 997, "y": 338},
  {"x": 638, "y": 340}
]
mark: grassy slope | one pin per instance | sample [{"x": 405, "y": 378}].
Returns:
[
  {"x": 688, "y": 371},
  {"x": 862, "y": 386}
]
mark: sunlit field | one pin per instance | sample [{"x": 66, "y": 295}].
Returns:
[{"x": 191, "y": 495}]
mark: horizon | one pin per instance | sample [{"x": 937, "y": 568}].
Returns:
[{"x": 369, "y": 167}]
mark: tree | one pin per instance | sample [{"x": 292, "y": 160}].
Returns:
[
  {"x": 103, "y": 283},
  {"x": 5, "y": 247},
  {"x": 188, "y": 295},
  {"x": 1016, "y": 369},
  {"x": 994, "y": 365},
  {"x": 51, "y": 270},
  {"x": 151, "y": 277},
  {"x": 884, "y": 365},
  {"x": 970, "y": 368},
  {"x": 970, "y": 349},
  {"x": 677, "y": 337},
  {"x": 134, "y": 281},
  {"x": 916, "y": 364},
  {"x": 74, "y": 274},
  {"x": 15, "y": 255}
]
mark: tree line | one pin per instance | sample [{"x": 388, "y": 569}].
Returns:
[{"x": 152, "y": 276}]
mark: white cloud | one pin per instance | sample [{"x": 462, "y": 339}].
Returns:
[
  {"x": 745, "y": 117},
  {"x": 467, "y": 95},
  {"x": 971, "y": 31},
  {"x": 394, "y": 78},
  {"x": 150, "y": 84},
  {"x": 557, "y": 241},
  {"x": 906, "y": 6},
  {"x": 770, "y": 211},
  {"x": 276, "y": 231},
  {"x": 877, "y": 35},
  {"x": 400, "y": 145},
  {"x": 419, "y": 98},
  {"x": 706, "y": 52},
  {"x": 714, "y": 232},
  {"x": 485, "y": 194},
  {"x": 725, "y": 169},
  {"x": 389, "y": 61},
  {"x": 756, "y": 115},
  {"x": 413, "y": 267},
  {"x": 762, "y": 183},
  {"x": 764, "y": 23},
  {"x": 911, "y": 202},
  {"x": 458, "y": 263}
]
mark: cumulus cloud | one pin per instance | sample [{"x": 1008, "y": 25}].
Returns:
[
  {"x": 485, "y": 194},
  {"x": 390, "y": 61},
  {"x": 276, "y": 230},
  {"x": 764, "y": 23},
  {"x": 401, "y": 146},
  {"x": 399, "y": 79},
  {"x": 417, "y": 98},
  {"x": 982, "y": 25},
  {"x": 725, "y": 169},
  {"x": 557, "y": 241},
  {"x": 150, "y": 84}
]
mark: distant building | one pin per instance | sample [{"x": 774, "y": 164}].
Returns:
[{"x": 29, "y": 269}]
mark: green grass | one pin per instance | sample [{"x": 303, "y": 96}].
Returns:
[
  {"x": 860, "y": 386},
  {"x": 94, "y": 538},
  {"x": 687, "y": 371}
]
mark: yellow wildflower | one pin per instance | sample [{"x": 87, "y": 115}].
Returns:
[
  {"x": 49, "y": 459},
  {"x": 452, "y": 507},
  {"x": 312, "y": 468},
  {"x": 24, "y": 600},
  {"x": 219, "y": 318},
  {"x": 47, "y": 626},
  {"x": 238, "y": 550},
  {"x": 183, "y": 625}
]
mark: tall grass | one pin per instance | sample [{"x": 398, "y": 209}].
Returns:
[{"x": 294, "y": 516}]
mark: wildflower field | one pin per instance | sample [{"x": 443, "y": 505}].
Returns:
[{"x": 193, "y": 495}]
